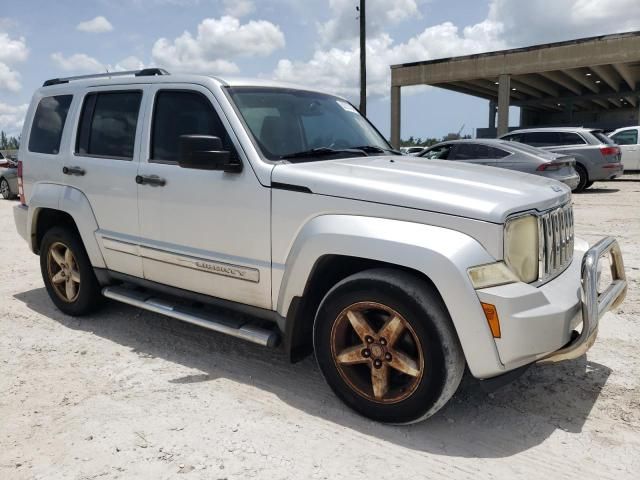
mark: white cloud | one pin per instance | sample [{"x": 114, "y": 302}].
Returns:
[
  {"x": 217, "y": 41},
  {"x": 129, "y": 63},
  {"x": 12, "y": 117},
  {"x": 11, "y": 51},
  {"x": 344, "y": 27},
  {"x": 337, "y": 69},
  {"x": 9, "y": 79},
  {"x": 540, "y": 21},
  {"x": 98, "y": 24},
  {"x": 238, "y": 8},
  {"x": 77, "y": 63}
]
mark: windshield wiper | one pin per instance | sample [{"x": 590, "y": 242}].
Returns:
[
  {"x": 323, "y": 152},
  {"x": 376, "y": 149}
]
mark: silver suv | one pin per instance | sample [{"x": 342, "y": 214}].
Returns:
[
  {"x": 279, "y": 215},
  {"x": 597, "y": 156}
]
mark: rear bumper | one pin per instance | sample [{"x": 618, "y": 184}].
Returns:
[
  {"x": 570, "y": 181},
  {"x": 20, "y": 216},
  {"x": 538, "y": 323},
  {"x": 608, "y": 171}
]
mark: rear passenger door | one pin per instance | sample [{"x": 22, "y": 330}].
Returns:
[{"x": 103, "y": 166}]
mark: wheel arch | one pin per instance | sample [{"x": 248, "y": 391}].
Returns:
[
  {"x": 332, "y": 247},
  {"x": 52, "y": 204}
]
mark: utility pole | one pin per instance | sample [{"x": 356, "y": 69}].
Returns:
[{"x": 363, "y": 59}]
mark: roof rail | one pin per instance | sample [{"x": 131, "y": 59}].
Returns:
[{"x": 145, "y": 72}]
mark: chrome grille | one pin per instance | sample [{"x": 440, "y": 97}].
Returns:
[{"x": 555, "y": 229}]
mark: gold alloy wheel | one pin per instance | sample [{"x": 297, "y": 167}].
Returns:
[
  {"x": 63, "y": 272},
  {"x": 377, "y": 352}
]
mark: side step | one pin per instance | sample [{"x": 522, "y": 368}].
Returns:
[{"x": 240, "y": 327}]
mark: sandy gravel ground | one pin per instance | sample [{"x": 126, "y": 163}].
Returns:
[{"x": 129, "y": 394}]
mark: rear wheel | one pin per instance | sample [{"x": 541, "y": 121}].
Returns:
[
  {"x": 67, "y": 272},
  {"x": 5, "y": 191},
  {"x": 386, "y": 346},
  {"x": 584, "y": 179},
  {"x": 589, "y": 184}
]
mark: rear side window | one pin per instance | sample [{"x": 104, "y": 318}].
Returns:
[
  {"x": 541, "y": 139},
  {"x": 568, "y": 138},
  {"x": 179, "y": 113},
  {"x": 48, "y": 123},
  {"x": 497, "y": 153},
  {"x": 470, "y": 151},
  {"x": 108, "y": 124}
]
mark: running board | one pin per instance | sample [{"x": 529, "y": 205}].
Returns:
[{"x": 240, "y": 327}]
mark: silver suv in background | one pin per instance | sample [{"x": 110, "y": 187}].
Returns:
[
  {"x": 597, "y": 157},
  {"x": 509, "y": 155}
]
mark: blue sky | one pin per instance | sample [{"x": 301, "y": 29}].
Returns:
[{"x": 312, "y": 42}]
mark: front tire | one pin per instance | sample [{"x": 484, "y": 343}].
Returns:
[
  {"x": 386, "y": 346},
  {"x": 67, "y": 273}
]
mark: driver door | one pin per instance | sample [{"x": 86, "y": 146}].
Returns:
[{"x": 204, "y": 231}]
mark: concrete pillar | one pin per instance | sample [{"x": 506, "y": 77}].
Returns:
[
  {"x": 395, "y": 116},
  {"x": 504, "y": 94},
  {"x": 492, "y": 114}
]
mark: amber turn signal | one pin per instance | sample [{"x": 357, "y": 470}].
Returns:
[{"x": 492, "y": 318}]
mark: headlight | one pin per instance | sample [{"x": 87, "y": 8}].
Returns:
[{"x": 521, "y": 247}]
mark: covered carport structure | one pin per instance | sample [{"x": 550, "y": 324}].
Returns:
[{"x": 590, "y": 81}]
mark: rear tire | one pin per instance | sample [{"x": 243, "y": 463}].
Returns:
[
  {"x": 68, "y": 274},
  {"x": 584, "y": 179},
  {"x": 404, "y": 362},
  {"x": 589, "y": 184},
  {"x": 5, "y": 191}
]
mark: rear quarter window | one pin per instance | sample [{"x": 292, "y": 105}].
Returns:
[
  {"x": 602, "y": 137},
  {"x": 48, "y": 124}
]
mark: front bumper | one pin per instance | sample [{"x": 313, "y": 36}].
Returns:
[{"x": 538, "y": 323}]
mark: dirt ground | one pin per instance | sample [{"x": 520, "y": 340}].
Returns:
[{"x": 130, "y": 394}]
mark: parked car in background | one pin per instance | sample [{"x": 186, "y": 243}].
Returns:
[
  {"x": 8, "y": 178},
  {"x": 628, "y": 139},
  {"x": 597, "y": 157},
  {"x": 510, "y": 155},
  {"x": 411, "y": 150}
]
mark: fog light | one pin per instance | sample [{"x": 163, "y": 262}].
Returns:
[{"x": 492, "y": 318}]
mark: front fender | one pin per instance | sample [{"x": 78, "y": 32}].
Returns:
[
  {"x": 441, "y": 254},
  {"x": 73, "y": 202}
]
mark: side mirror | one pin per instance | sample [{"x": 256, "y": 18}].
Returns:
[{"x": 205, "y": 152}]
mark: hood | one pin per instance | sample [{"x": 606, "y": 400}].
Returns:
[{"x": 473, "y": 191}]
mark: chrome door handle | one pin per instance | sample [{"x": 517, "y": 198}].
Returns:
[
  {"x": 73, "y": 171},
  {"x": 153, "y": 180}
]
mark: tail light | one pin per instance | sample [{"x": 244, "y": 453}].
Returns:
[
  {"x": 609, "y": 150},
  {"x": 21, "y": 184},
  {"x": 553, "y": 166}
]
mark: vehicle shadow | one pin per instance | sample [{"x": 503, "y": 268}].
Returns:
[
  {"x": 474, "y": 424},
  {"x": 590, "y": 191}
]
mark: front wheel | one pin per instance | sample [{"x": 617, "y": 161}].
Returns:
[{"x": 386, "y": 346}]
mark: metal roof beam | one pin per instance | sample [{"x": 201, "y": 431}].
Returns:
[
  {"x": 580, "y": 76},
  {"x": 563, "y": 81},
  {"x": 625, "y": 72},
  {"x": 607, "y": 74}
]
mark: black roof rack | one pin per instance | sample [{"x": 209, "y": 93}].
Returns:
[{"x": 145, "y": 72}]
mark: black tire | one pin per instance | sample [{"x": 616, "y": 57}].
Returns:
[
  {"x": 584, "y": 179},
  {"x": 437, "y": 345},
  {"x": 88, "y": 297},
  {"x": 589, "y": 184},
  {"x": 4, "y": 188}
]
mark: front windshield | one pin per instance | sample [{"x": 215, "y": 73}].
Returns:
[{"x": 287, "y": 121}]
